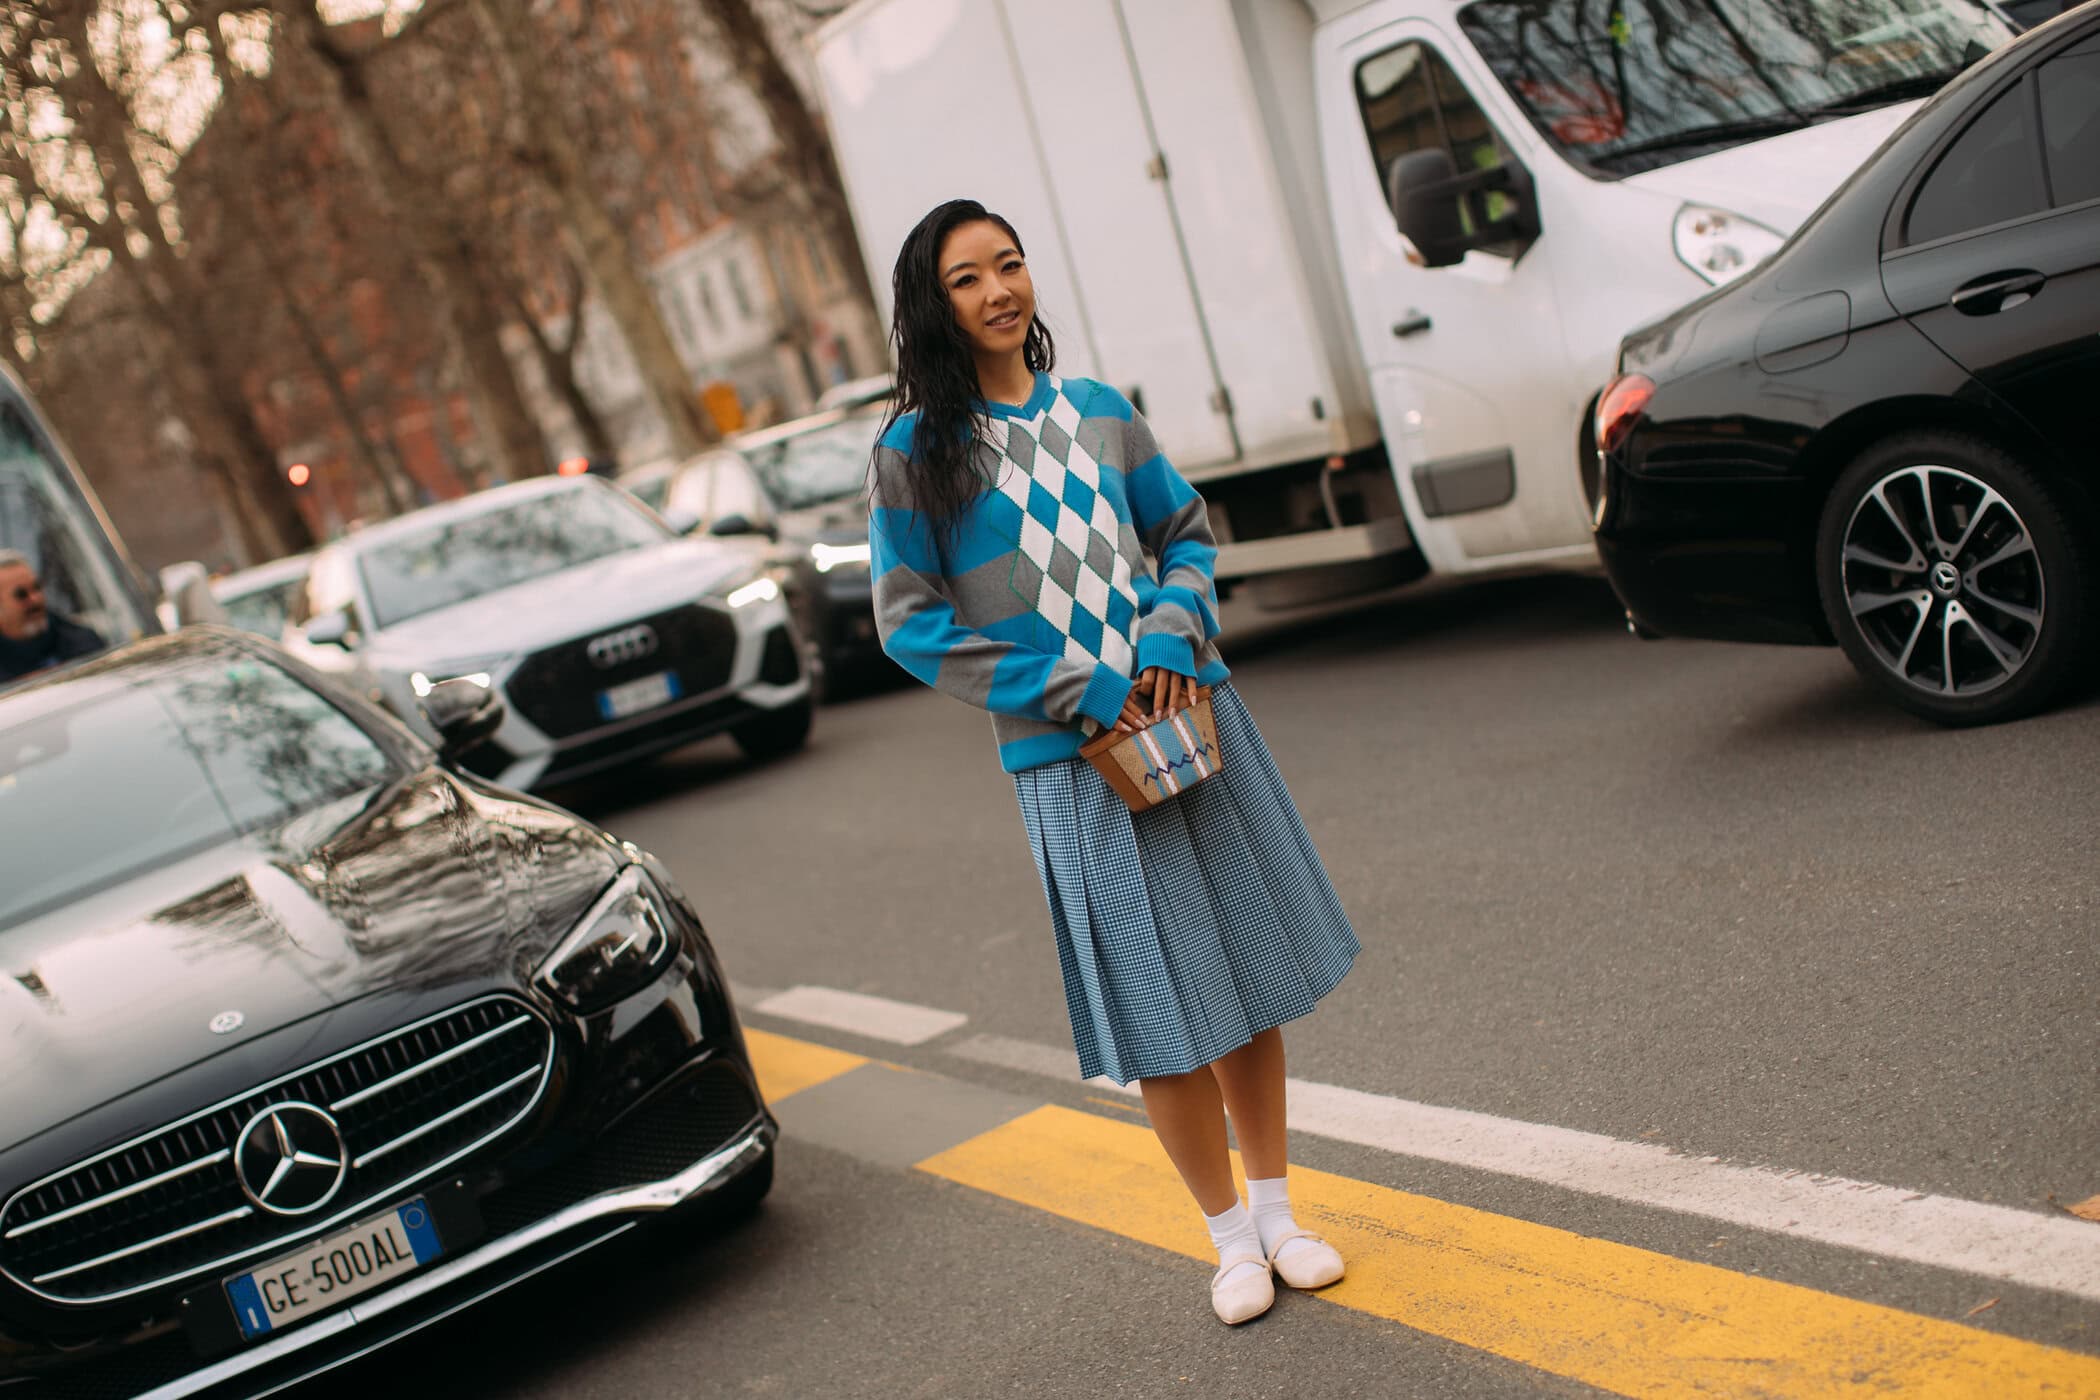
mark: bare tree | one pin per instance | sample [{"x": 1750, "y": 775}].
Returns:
[
  {"x": 600, "y": 245},
  {"x": 469, "y": 320},
  {"x": 86, "y": 170}
]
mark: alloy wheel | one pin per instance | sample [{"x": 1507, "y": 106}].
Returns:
[{"x": 1943, "y": 581}]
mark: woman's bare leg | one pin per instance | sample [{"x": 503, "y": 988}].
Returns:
[
  {"x": 1189, "y": 1117},
  {"x": 1251, "y": 1080}
]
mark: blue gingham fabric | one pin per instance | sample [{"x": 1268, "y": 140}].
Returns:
[{"x": 1185, "y": 930}]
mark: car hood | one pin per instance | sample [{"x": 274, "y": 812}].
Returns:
[
  {"x": 556, "y": 607},
  {"x": 421, "y": 885},
  {"x": 1779, "y": 180},
  {"x": 843, "y": 521}
]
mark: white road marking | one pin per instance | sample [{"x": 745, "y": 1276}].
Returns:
[
  {"x": 1944, "y": 1232},
  {"x": 878, "y": 1018}
]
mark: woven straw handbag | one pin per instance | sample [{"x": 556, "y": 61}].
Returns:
[{"x": 1162, "y": 760}]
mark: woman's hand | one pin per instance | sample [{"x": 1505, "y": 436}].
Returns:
[{"x": 1157, "y": 693}]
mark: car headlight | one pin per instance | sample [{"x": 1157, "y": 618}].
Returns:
[
  {"x": 833, "y": 556},
  {"x": 618, "y": 946},
  {"x": 480, "y": 670},
  {"x": 758, "y": 590},
  {"x": 1721, "y": 246}
]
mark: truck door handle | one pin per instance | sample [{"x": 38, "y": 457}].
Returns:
[
  {"x": 1996, "y": 291},
  {"x": 1415, "y": 324}
]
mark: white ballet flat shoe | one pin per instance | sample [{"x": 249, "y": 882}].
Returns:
[
  {"x": 1241, "y": 1289},
  {"x": 1314, "y": 1264}
]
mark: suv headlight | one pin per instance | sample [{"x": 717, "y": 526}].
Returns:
[
  {"x": 1721, "y": 246},
  {"x": 623, "y": 942},
  {"x": 742, "y": 589},
  {"x": 478, "y": 669}
]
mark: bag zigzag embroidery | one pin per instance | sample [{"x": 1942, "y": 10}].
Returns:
[{"x": 1162, "y": 760}]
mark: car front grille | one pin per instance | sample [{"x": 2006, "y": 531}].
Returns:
[
  {"x": 557, "y": 690},
  {"x": 171, "y": 1205}
]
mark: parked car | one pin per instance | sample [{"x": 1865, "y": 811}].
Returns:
[
  {"x": 1363, "y": 264},
  {"x": 297, "y": 1012},
  {"x": 802, "y": 488},
  {"x": 261, "y": 599},
  {"x": 856, "y": 393},
  {"x": 1884, "y": 436},
  {"x": 611, "y": 637}
]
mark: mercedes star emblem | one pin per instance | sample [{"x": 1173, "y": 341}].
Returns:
[
  {"x": 290, "y": 1159},
  {"x": 227, "y": 1022}
]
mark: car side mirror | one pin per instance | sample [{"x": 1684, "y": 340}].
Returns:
[
  {"x": 737, "y": 523},
  {"x": 681, "y": 521},
  {"x": 1446, "y": 214},
  {"x": 188, "y": 589},
  {"x": 464, "y": 714},
  {"x": 330, "y": 630}
]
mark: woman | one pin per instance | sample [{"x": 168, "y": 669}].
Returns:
[{"x": 1033, "y": 550}]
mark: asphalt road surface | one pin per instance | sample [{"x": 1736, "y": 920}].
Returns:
[{"x": 1716, "y": 900}]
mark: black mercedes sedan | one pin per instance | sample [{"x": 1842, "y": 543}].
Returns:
[
  {"x": 1885, "y": 436},
  {"x": 310, "y": 1037}
]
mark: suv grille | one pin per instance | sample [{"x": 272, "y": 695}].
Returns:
[
  {"x": 171, "y": 1204},
  {"x": 557, "y": 689}
]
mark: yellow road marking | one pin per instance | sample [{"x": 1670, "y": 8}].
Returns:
[
  {"x": 786, "y": 1066},
  {"x": 1611, "y": 1316}
]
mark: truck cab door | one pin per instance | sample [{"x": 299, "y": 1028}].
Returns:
[{"x": 1467, "y": 361}]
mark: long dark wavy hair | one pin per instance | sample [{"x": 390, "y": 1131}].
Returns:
[{"x": 937, "y": 372}]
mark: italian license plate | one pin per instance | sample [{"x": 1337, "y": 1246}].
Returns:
[
  {"x": 333, "y": 1268},
  {"x": 637, "y": 696}
]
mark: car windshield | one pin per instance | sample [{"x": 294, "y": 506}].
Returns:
[
  {"x": 109, "y": 776},
  {"x": 466, "y": 557},
  {"x": 824, "y": 464},
  {"x": 265, "y": 609},
  {"x": 1623, "y": 86}
]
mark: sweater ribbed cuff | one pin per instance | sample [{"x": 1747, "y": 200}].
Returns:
[
  {"x": 1105, "y": 694},
  {"x": 1168, "y": 650}
]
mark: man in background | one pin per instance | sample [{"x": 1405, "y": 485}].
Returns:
[{"x": 31, "y": 636}]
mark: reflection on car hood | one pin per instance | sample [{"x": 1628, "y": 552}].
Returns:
[
  {"x": 1778, "y": 180},
  {"x": 431, "y": 883},
  {"x": 556, "y": 607}
]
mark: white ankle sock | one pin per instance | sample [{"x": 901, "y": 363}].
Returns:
[
  {"x": 1232, "y": 1232},
  {"x": 1270, "y": 1199}
]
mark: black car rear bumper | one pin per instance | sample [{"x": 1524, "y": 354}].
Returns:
[{"x": 1725, "y": 560}]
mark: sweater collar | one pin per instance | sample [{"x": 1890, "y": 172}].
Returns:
[{"x": 1037, "y": 401}]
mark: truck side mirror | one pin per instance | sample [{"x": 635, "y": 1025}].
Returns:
[
  {"x": 1421, "y": 188},
  {"x": 1446, "y": 214}
]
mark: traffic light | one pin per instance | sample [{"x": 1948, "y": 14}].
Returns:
[{"x": 298, "y": 473}]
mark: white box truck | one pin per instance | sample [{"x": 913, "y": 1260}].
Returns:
[{"x": 1364, "y": 264}]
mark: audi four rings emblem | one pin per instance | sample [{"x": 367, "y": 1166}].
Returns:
[
  {"x": 290, "y": 1159},
  {"x": 619, "y": 648}
]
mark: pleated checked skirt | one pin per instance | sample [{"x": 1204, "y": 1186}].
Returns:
[{"x": 1185, "y": 930}]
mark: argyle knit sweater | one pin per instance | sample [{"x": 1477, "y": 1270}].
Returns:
[{"x": 1085, "y": 560}]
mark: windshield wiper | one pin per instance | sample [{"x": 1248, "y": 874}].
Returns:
[
  {"x": 1713, "y": 134},
  {"x": 1881, "y": 95}
]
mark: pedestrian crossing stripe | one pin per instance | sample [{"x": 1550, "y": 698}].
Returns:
[{"x": 1626, "y": 1320}]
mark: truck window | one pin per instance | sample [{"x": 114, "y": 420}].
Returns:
[
  {"x": 1622, "y": 86},
  {"x": 1411, "y": 100}
]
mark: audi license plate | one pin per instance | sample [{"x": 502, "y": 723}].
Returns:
[
  {"x": 637, "y": 696},
  {"x": 333, "y": 1268}
]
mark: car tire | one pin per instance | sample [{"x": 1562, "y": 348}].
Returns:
[
  {"x": 776, "y": 732},
  {"x": 1958, "y": 580}
]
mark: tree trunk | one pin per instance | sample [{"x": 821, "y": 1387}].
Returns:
[
  {"x": 558, "y": 364},
  {"x": 221, "y": 417},
  {"x": 472, "y": 329},
  {"x": 809, "y": 166},
  {"x": 600, "y": 245}
]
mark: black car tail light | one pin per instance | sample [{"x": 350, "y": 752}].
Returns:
[{"x": 1619, "y": 408}]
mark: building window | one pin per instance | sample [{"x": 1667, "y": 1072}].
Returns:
[{"x": 739, "y": 291}]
